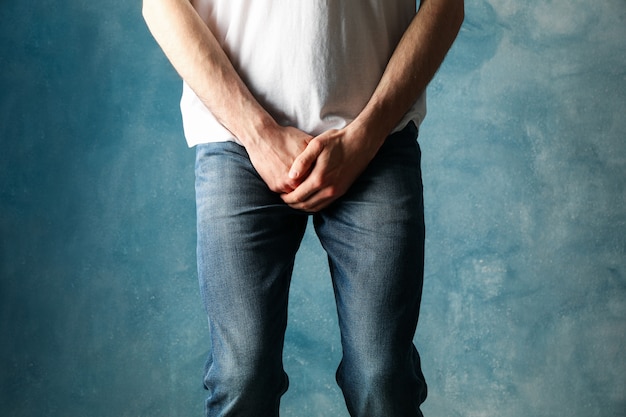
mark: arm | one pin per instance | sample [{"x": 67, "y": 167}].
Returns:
[
  {"x": 198, "y": 57},
  {"x": 339, "y": 156}
]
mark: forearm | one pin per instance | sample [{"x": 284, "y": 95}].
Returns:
[
  {"x": 413, "y": 64},
  {"x": 339, "y": 157},
  {"x": 198, "y": 57}
]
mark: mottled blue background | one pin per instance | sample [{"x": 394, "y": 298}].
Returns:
[{"x": 524, "y": 310}]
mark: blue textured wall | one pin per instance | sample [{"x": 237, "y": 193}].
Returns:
[{"x": 524, "y": 310}]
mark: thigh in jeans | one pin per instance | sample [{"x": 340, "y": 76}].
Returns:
[
  {"x": 374, "y": 237},
  {"x": 247, "y": 241}
]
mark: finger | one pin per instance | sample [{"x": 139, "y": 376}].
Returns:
[
  {"x": 305, "y": 161},
  {"x": 308, "y": 205},
  {"x": 299, "y": 196},
  {"x": 310, "y": 196},
  {"x": 315, "y": 203}
]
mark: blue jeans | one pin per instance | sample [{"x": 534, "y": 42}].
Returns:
[{"x": 374, "y": 238}]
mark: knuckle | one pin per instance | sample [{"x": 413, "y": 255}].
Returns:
[
  {"x": 317, "y": 183},
  {"x": 291, "y": 185},
  {"x": 279, "y": 187},
  {"x": 316, "y": 146},
  {"x": 302, "y": 160},
  {"x": 331, "y": 193}
]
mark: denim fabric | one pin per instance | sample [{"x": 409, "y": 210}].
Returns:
[{"x": 374, "y": 238}]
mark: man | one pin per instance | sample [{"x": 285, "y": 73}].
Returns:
[{"x": 300, "y": 108}]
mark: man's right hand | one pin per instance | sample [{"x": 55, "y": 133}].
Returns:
[
  {"x": 274, "y": 155},
  {"x": 200, "y": 60}
]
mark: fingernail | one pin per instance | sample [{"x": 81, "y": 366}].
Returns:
[{"x": 293, "y": 174}]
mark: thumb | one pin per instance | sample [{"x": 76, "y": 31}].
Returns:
[{"x": 305, "y": 161}]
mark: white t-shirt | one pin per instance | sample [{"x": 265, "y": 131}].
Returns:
[{"x": 311, "y": 64}]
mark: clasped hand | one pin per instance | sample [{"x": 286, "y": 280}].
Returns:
[
  {"x": 309, "y": 173},
  {"x": 325, "y": 170}
]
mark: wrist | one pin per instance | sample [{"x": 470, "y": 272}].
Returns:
[
  {"x": 370, "y": 133},
  {"x": 257, "y": 129}
]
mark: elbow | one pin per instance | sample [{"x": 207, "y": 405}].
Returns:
[
  {"x": 457, "y": 13},
  {"x": 148, "y": 8},
  {"x": 461, "y": 12},
  {"x": 451, "y": 12},
  {"x": 145, "y": 9}
]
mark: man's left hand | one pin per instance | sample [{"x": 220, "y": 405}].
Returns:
[{"x": 335, "y": 159}]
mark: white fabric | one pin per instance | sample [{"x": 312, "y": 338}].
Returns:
[{"x": 312, "y": 64}]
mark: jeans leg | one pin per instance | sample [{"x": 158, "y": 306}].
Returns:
[
  {"x": 247, "y": 241},
  {"x": 374, "y": 238}
]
